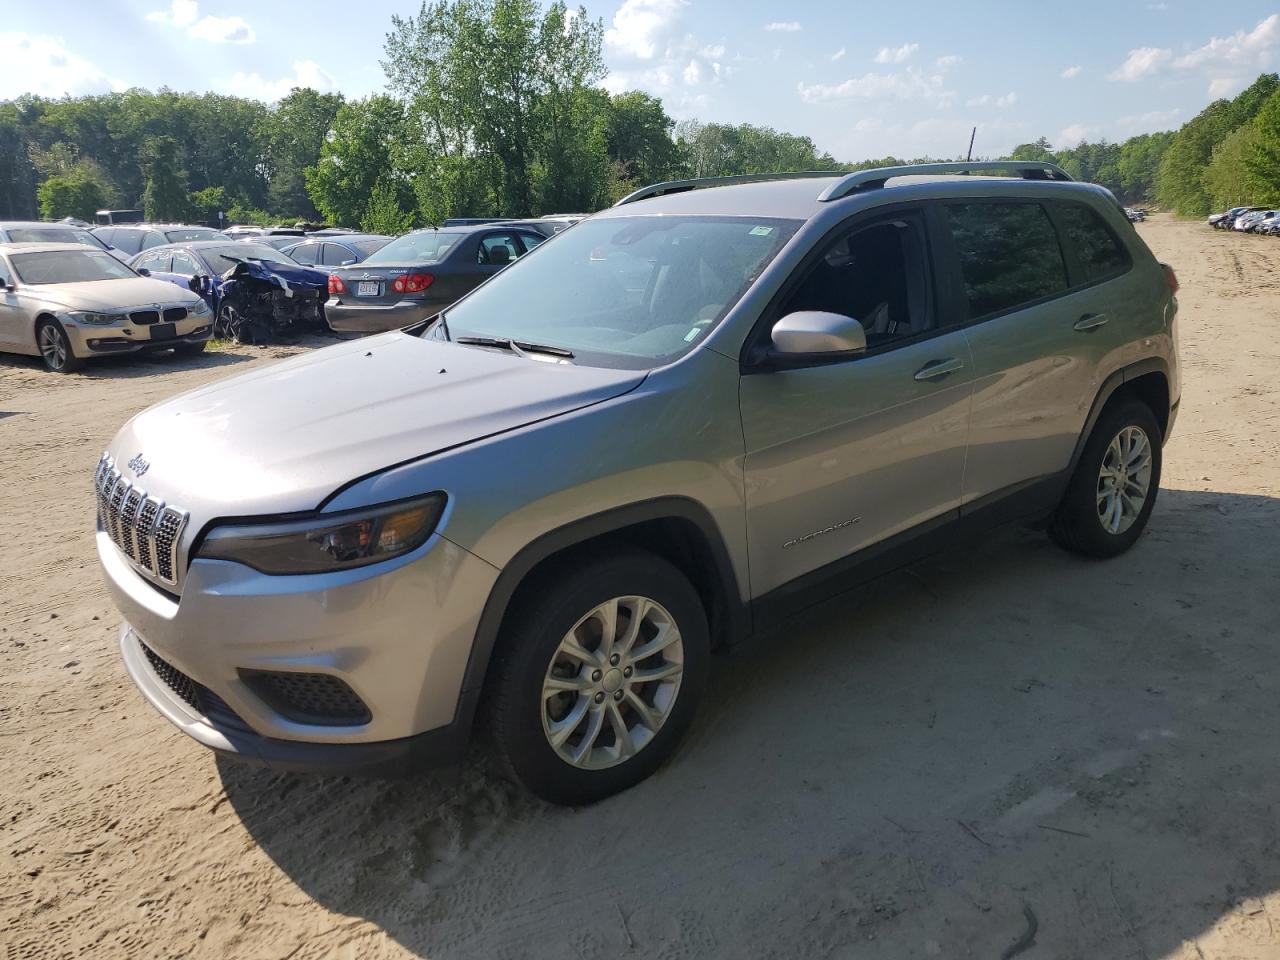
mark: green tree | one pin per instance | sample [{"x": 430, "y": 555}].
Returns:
[
  {"x": 1227, "y": 180},
  {"x": 356, "y": 155},
  {"x": 385, "y": 212},
  {"x": 1262, "y": 155},
  {"x": 1038, "y": 150},
  {"x": 207, "y": 204},
  {"x": 293, "y": 134},
  {"x": 76, "y": 193},
  {"x": 720, "y": 150},
  {"x": 164, "y": 196},
  {"x": 641, "y": 149}
]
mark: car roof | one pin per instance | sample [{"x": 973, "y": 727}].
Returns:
[
  {"x": 345, "y": 237},
  {"x": 800, "y": 198},
  {"x": 46, "y": 247},
  {"x": 6, "y": 224}
]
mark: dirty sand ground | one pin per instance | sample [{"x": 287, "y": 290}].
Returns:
[{"x": 896, "y": 774}]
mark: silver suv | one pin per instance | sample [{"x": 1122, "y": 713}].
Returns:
[{"x": 671, "y": 426}]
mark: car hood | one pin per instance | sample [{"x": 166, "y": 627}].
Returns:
[
  {"x": 109, "y": 294},
  {"x": 283, "y": 438},
  {"x": 296, "y": 276}
]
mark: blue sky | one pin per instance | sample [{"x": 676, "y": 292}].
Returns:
[{"x": 861, "y": 79}]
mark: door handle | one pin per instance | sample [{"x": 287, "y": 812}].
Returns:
[
  {"x": 936, "y": 369},
  {"x": 1091, "y": 321}
]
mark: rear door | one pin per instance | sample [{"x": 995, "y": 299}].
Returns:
[
  {"x": 15, "y": 326},
  {"x": 844, "y": 455},
  {"x": 1040, "y": 329}
]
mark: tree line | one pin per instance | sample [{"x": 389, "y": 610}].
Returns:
[{"x": 495, "y": 108}]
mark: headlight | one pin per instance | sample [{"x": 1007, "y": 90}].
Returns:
[
  {"x": 97, "y": 319},
  {"x": 334, "y": 542},
  {"x": 199, "y": 309}
]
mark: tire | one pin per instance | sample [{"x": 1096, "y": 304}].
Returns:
[
  {"x": 55, "y": 348},
  {"x": 190, "y": 349},
  {"x": 228, "y": 324},
  {"x": 531, "y": 654},
  {"x": 1093, "y": 520}
]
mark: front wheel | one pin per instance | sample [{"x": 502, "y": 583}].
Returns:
[
  {"x": 597, "y": 676},
  {"x": 228, "y": 324},
  {"x": 55, "y": 348},
  {"x": 1114, "y": 487}
]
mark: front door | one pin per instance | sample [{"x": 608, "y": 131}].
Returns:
[{"x": 844, "y": 455}]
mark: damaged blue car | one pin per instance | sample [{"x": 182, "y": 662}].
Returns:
[{"x": 256, "y": 293}]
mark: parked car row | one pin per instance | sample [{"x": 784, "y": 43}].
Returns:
[
  {"x": 1263, "y": 220},
  {"x": 1136, "y": 214}
]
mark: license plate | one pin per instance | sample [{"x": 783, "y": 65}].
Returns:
[
  {"x": 367, "y": 288},
  {"x": 162, "y": 331}
]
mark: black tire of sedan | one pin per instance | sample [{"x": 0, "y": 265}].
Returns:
[
  {"x": 597, "y": 675},
  {"x": 55, "y": 348},
  {"x": 1114, "y": 487}
]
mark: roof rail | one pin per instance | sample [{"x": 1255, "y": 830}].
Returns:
[
  {"x": 679, "y": 186},
  {"x": 875, "y": 179}
]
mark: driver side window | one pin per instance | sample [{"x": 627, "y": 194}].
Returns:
[{"x": 875, "y": 274}]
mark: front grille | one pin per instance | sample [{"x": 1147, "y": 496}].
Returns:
[
  {"x": 146, "y": 529},
  {"x": 145, "y": 317},
  {"x": 317, "y": 698},
  {"x": 175, "y": 314}
]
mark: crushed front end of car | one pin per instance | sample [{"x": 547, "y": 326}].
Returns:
[{"x": 269, "y": 300}]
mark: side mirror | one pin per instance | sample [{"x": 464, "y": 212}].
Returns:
[
  {"x": 195, "y": 284},
  {"x": 806, "y": 333},
  {"x": 347, "y": 263},
  {"x": 143, "y": 272}
]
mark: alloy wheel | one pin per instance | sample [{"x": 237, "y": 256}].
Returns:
[
  {"x": 1124, "y": 480},
  {"x": 53, "y": 346},
  {"x": 612, "y": 683}
]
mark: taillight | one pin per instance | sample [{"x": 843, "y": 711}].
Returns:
[
  {"x": 336, "y": 285},
  {"x": 412, "y": 282},
  {"x": 1171, "y": 278}
]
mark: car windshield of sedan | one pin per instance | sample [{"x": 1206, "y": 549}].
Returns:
[
  {"x": 222, "y": 259},
  {"x": 425, "y": 247},
  {"x": 68, "y": 266},
  {"x": 193, "y": 234},
  {"x": 624, "y": 292}
]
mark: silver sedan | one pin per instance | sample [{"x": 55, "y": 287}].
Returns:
[{"x": 66, "y": 303}]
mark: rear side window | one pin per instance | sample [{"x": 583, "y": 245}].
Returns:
[
  {"x": 130, "y": 241},
  {"x": 1009, "y": 255},
  {"x": 1099, "y": 252}
]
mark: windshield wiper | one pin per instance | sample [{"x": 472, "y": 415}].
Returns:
[{"x": 518, "y": 347}]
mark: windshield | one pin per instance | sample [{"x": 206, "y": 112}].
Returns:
[
  {"x": 222, "y": 259},
  {"x": 188, "y": 234},
  {"x": 425, "y": 247},
  {"x": 68, "y": 266},
  {"x": 629, "y": 292},
  {"x": 53, "y": 234},
  {"x": 367, "y": 247}
]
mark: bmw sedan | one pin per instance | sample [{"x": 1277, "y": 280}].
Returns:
[
  {"x": 419, "y": 274},
  {"x": 67, "y": 302}
]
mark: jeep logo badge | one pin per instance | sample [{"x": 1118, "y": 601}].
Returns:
[{"x": 138, "y": 465}]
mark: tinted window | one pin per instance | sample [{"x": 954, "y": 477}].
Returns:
[
  {"x": 187, "y": 234},
  {"x": 130, "y": 241},
  {"x": 1097, "y": 249},
  {"x": 68, "y": 266},
  {"x": 1009, "y": 254},
  {"x": 875, "y": 275},
  {"x": 498, "y": 249},
  {"x": 150, "y": 239},
  {"x": 53, "y": 234},
  {"x": 425, "y": 247},
  {"x": 531, "y": 240},
  {"x": 367, "y": 247},
  {"x": 336, "y": 255},
  {"x": 308, "y": 253}
]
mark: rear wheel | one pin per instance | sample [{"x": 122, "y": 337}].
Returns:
[
  {"x": 55, "y": 347},
  {"x": 597, "y": 677},
  {"x": 1114, "y": 488}
]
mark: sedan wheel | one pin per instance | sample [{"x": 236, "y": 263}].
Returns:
[
  {"x": 227, "y": 325},
  {"x": 55, "y": 348}
]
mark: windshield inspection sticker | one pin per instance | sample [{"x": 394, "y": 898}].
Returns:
[
  {"x": 761, "y": 231},
  {"x": 692, "y": 335}
]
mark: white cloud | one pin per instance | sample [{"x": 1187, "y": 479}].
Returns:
[
  {"x": 692, "y": 73},
  {"x": 715, "y": 52},
  {"x": 42, "y": 65},
  {"x": 910, "y": 84},
  {"x": 779, "y": 26},
  {"x": 1157, "y": 6},
  {"x": 896, "y": 54},
  {"x": 838, "y": 55},
  {"x": 1140, "y": 63},
  {"x": 986, "y": 100},
  {"x": 641, "y": 28},
  {"x": 1071, "y": 73},
  {"x": 1071, "y": 136},
  {"x": 306, "y": 73},
  {"x": 1151, "y": 120},
  {"x": 1252, "y": 49},
  {"x": 947, "y": 62},
  {"x": 183, "y": 14},
  {"x": 1225, "y": 86}
]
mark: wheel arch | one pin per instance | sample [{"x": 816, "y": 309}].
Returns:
[
  {"x": 1147, "y": 380},
  {"x": 678, "y": 529}
]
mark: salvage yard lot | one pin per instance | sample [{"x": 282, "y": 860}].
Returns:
[{"x": 1002, "y": 732}]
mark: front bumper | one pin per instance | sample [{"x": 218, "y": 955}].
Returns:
[
  {"x": 399, "y": 635},
  {"x": 351, "y": 316},
  {"x": 89, "y": 340}
]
